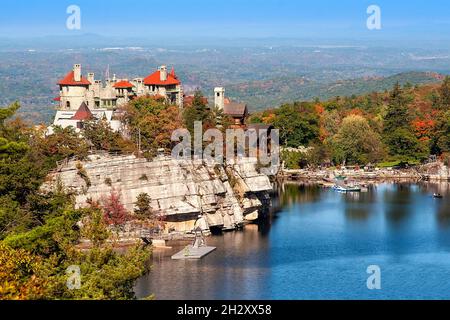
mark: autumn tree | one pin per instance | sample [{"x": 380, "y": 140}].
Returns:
[
  {"x": 114, "y": 211},
  {"x": 151, "y": 122}
]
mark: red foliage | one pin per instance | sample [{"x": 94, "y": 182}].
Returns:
[
  {"x": 423, "y": 128},
  {"x": 114, "y": 211}
]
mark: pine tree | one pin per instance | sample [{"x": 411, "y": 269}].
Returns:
[
  {"x": 143, "y": 209},
  {"x": 444, "y": 92},
  {"x": 397, "y": 132}
]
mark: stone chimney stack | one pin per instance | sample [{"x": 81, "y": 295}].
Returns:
[
  {"x": 163, "y": 73},
  {"x": 91, "y": 77},
  {"x": 219, "y": 97},
  {"x": 77, "y": 72}
]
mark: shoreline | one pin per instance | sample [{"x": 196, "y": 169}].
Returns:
[{"x": 360, "y": 175}]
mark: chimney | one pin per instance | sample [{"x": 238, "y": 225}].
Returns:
[
  {"x": 163, "y": 73},
  {"x": 91, "y": 77},
  {"x": 77, "y": 72},
  {"x": 219, "y": 97}
]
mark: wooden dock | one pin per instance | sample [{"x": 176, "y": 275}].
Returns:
[{"x": 191, "y": 252}]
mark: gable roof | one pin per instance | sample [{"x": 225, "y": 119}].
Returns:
[
  {"x": 123, "y": 85},
  {"x": 155, "y": 79},
  {"x": 69, "y": 80},
  {"x": 235, "y": 109},
  {"x": 83, "y": 113}
]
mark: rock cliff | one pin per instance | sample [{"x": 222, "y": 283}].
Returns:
[{"x": 180, "y": 190}]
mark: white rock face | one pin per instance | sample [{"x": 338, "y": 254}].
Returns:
[{"x": 181, "y": 190}]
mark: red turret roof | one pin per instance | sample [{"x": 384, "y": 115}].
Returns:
[
  {"x": 69, "y": 80},
  {"x": 155, "y": 79},
  {"x": 123, "y": 85},
  {"x": 83, "y": 113}
]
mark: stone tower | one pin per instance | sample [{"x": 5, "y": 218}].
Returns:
[
  {"x": 77, "y": 72},
  {"x": 219, "y": 97}
]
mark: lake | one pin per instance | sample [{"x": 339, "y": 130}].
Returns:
[{"x": 317, "y": 244}]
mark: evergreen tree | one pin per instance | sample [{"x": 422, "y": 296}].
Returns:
[
  {"x": 198, "y": 111},
  {"x": 444, "y": 92},
  {"x": 397, "y": 132},
  {"x": 143, "y": 209}
]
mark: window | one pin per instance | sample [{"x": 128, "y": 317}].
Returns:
[{"x": 68, "y": 104}]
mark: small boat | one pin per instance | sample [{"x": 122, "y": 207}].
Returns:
[
  {"x": 438, "y": 196},
  {"x": 346, "y": 188}
]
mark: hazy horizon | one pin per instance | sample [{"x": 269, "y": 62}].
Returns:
[{"x": 412, "y": 21}]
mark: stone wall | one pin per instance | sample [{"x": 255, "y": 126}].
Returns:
[{"x": 181, "y": 190}]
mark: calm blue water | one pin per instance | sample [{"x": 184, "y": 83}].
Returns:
[{"x": 318, "y": 245}]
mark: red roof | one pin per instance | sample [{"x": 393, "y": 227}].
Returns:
[
  {"x": 188, "y": 100},
  {"x": 69, "y": 80},
  {"x": 155, "y": 79},
  {"x": 83, "y": 113},
  {"x": 57, "y": 99},
  {"x": 123, "y": 85}
]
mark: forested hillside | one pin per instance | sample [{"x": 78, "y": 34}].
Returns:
[{"x": 405, "y": 124}]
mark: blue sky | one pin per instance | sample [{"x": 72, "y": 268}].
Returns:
[{"x": 229, "y": 18}]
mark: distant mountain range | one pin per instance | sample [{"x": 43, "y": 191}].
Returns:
[{"x": 261, "y": 95}]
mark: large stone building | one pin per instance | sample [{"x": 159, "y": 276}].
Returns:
[{"x": 96, "y": 99}]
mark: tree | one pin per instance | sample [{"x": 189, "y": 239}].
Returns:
[
  {"x": 39, "y": 232},
  {"x": 198, "y": 111},
  {"x": 114, "y": 211},
  {"x": 444, "y": 92},
  {"x": 440, "y": 141},
  {"x": 356, "y": 142},
  {"x": 143, "y": 209},
  {"x": 298, "y": 124},
  {"x": 21, "y": 274},
  {"x": 398, "y": 133},
  {"x": 102, "y": 137},
  {"x": 152, "y": 122},
  {"x": 397, "y": 115}
]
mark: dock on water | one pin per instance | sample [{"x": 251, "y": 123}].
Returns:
[{"x": 193, "y": 252}]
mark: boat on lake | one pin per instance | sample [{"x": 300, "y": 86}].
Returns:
[{"x": 346, "y": 188}]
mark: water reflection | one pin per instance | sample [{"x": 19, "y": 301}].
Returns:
[{"x": 316, "y": 244}]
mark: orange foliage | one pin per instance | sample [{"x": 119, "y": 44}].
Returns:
[
  {"x": 319, "y": 109},
  {"x": 423, "y": 128}
]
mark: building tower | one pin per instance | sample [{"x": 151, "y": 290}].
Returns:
[
  {"x": 219, "y": 97},
  {"x": 163, "y": 73}
]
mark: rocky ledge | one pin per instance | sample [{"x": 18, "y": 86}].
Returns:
[{"x": 180, "y": 190}]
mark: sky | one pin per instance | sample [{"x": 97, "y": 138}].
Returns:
[{"x": 412, "y": 19}]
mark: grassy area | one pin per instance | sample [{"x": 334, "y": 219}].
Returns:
[{"x": 395, "y": 163}]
